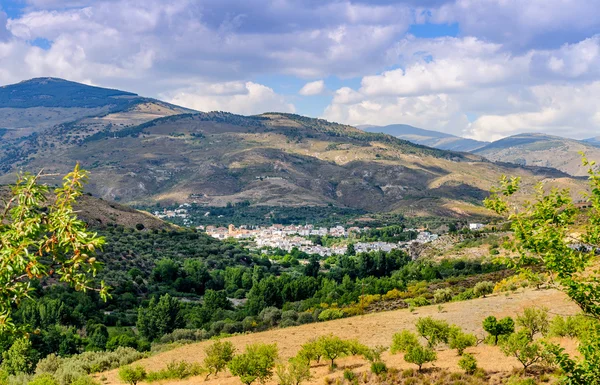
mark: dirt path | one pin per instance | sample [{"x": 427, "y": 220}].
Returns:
[{"x": 377, "y": 329}]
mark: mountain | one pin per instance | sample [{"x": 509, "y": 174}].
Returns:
[
  {"x": 541, "y": 150},
  {"x": 41, "y": 103},
  {"x": 148, "y": 151},
  {"x": 595, "y": 141},
  {"x": 428, "y": 138}
]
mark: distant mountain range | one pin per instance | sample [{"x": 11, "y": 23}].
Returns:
[
  {"x": 523, "y": 149},
  {"x": 144, "y": 151},
  {"x": 428, "y": 138}
]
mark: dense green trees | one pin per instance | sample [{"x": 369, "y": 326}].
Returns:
[{"x": 160, "y": 318}]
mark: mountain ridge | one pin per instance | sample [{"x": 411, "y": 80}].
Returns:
[{"x": 158, "y": 153}]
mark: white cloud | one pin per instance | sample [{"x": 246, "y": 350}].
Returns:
[
  {"x": 313, "y": 88},
  {"x": 246, "y": 98}
]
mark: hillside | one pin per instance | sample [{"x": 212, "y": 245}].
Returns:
[
  {"x": 37, "y": 104},
  {"x": 428, "y": 138},
  {"x": 151, "y": 152},
  {"x": 541, "y": 150},
  {"x": 377, "y": 329},
  {"x": 595, "y": 141}
]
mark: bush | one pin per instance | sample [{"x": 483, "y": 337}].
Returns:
[
  {"x": 378, "y": 368},
  {"x": 175, "y": 370},
  {"x": 256, "y": 362},
  {"x": 333, "y": 347},
  {"x": 460, "y": 341},
  {"x": 132, "y": 375},
  {"x": 270, "y": 316},
  {"x": 572, "y": 327},
  {"x": 43, "y": 379},
  {"x": 442, "y": 295},
  {"x": 468, "y": 363},
  {"x": 483, "y": 288},
  {"x": 331, "y": 314},
  {"x": 349, "y": 375},
  {"x": 218, "y": 355},
  {"x": 48, "y": 365},
  {"x": 434, "y": 331},
  {"x": 85, "y": 380},
  {"x": 305, "y": 318},
  {"x": 418, "y": 301}
]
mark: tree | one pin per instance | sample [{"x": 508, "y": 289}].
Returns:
[
  {"x": 442, "y": 295},
  {"x": 420, "y": 355},
  {"x": 311, "y": 351},
  {"x": 333, "y": 347},
  {"x": 483, "y": 288},
  {"x": 434, "y": 331},
  {"x": 295, "y": 372},
  {"x": 534, "y": 321},
  {"x": 545, "y": 230},
  {"x": 350, "y": 250},
  {"x": 498, "y": 328},
  {"x": 460, "y": 340},
  {"x": 41, "y": 238},
  {"x": 256, "y": 362},
  {"x": 159, "y": 318},
  {"x": 403, "y": 341},
  {"x": 214, "y": 300},
  {"x": 132, "y": 374},
  {"x": 526, "y": 351},
  {"x": 97, "y": 337},
  {"x": 218, "y": 355},
  {"x": 21, "y": 357}
]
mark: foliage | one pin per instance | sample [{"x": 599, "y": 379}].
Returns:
[
  {"x": 498, "y": 328},
  {"x": 43, "y": 379},
  {"x": 132, "y": 374},
  {"x": 333, "y": 347},
  {"x": 378, "y": 367},
  {"x": 294, "y": 373},
  {"x": 442, "y": 295},
  {"x": 420, "y": 355},
  {"x": 403, "y": 341},
  {"x": 331, "y": 314},
  {"x": 160, "y": 317},
  {"x": 534, "y": 321},
  {"x": 468, "y": 363},
  {"x": 218, "y": 355},
  {"x": 434, "y": 331},
  {"x": 175, "y": 370},
  {"x": 21, "y": 357},
  {"x": 460, "y": 340},
  {"x": 571, "y": 326},
  {"x": 39, "y": 239},
  {"x": 256, "y": 363},
  {"x": 520, "y": 346},
  {"x": 483, "y": 288}
]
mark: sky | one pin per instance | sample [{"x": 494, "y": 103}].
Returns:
[{"x": 483, "y": 69}]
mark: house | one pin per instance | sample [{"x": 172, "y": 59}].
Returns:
[{"x": 476, "y": 226}]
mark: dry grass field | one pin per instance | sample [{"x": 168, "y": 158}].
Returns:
[{"x": 377, "y": 329}]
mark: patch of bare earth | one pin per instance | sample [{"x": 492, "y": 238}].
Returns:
[{"x": 377, "y": 329}]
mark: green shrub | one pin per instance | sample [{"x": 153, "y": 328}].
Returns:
[
  {"x": 305, "y": 318},
  {"x": 418, "y": 301},
  {"x": 20, "y": 358},
  {"x": 520, "y": 346},
  {"x": 483, "y": 288},
  {"x": 132, "y": 374},
  {"x": 349, "y": 375},
  {"x": 468, "y": 363},
  {"x": 533, "y": 321},
  {"x": 378, "y": 368},
  {"x": 497, "y": 328},
  {"x": 294, "y": 373},
  {"x": 43, "y": 379},
  {"x": 442, "y": 295},
  {"x": 175, "y": 370},
  {"x": 85, "y": 380},
  {"x": 331, "y": 314},
  {"x": 460, "y": 340}
]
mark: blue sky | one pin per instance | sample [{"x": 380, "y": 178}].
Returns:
[{"x": 479, "y": 68}]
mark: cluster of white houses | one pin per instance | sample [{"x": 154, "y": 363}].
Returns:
[{"x": 294, "y": 236}]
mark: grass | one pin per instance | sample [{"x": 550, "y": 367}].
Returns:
[{"x": 377, "y": 329}]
